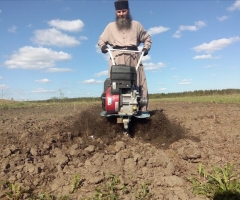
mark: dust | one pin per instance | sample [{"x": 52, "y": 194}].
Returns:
[{"x": 157, "y": 130}]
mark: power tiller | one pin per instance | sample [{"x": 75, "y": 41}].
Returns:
[{"x": 122, "y": 97}]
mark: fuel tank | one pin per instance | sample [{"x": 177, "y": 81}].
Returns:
[{"x": 111, "y": 102}]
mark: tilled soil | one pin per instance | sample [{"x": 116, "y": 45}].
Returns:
[{"x": 44, "y": 149}]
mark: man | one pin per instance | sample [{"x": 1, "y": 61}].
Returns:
[{"x": 128, "y": 34}]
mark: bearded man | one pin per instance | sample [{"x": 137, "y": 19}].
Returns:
[{"x": 127, "y": 34}]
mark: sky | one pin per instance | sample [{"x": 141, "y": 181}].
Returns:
[{"x": 48, "y": 48}]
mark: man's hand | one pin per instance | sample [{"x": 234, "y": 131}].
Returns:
[
  {"x": 104, "y": 49},
  {"x": 145, "y": 51}
]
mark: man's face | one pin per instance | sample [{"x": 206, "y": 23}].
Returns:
[
  {"x": 122, "y": 13},
  {"x": 123, "y": 19}
]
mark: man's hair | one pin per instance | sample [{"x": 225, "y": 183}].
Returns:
[{"x": 124, "y": 23}]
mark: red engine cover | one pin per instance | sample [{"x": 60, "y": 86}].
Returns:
[{"x": 111, "y": 102}]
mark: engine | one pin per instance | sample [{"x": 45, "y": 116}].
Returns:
[{"x": 122, "y": 96}]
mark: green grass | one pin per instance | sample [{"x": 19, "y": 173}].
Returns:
[
  {"x": 76, "y": 183},
  {"x": 15, "y": 191},
  {"x": 235, "y": 98},
  {"x": 220, "y": 183},
  {"x": 225, "y": 99},
  {"x": 7, "y": 104},
  {"x": 110, "y": 188}
]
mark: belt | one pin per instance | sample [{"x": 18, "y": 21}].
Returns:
[{"x": 132, "y": 48}]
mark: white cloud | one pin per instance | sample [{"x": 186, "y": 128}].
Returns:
[
  {"x": 91, "y": 81},
  {"x": 162, "y": 89},
  {"x": 208, "y": 66},
  {"x": 12, "y": 29},
  {"x": 53, "y": 37},
  {"x": 216, "y": 45},
  {"x": 45, "y": 80},
  {"x": 197, "y": 26},
  {"x": 106, "y": 55},
  {"x": 146, "y": 58},
  {"x": 3, "y": 87},
  {"x": 152, "y": 66},
  {"x": 1, "y": 78},
  {"x": 42, "y": 90},
  {"x": 29, "y": 57},
  {"x": 235, "y": 6},
  {"x": 157, "y": 30},
  {"x": 66, "y": 9},
  {"x": 98, "y": 50},
  {"x": 55, "y": 70},
  {"x": 71, "y": 26},
  {"x": 185, "y": 82},
  {"x": 102, "y": 73},
  {"x": 0, "y": 11},
  {"x": 83, "y": 38},
  {"x": 233, "y": 67},
  {"x": 30, "y": 25},
  {"x": 223, "y": 18},
  {"x": 208, "y": 56}
]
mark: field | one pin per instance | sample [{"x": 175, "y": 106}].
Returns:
[{"x": 67, "y": 151}]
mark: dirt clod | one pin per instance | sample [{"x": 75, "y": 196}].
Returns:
[{"x": 58, "y": 150}]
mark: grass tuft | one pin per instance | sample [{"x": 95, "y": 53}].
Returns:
[
  {"x": 15, "y": 192},
  {"x": 112, "y": 189},
  {"x": 76, "y": 183},
  {"x": 219, "y": 184}
]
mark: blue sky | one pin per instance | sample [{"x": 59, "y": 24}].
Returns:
[{"x": 48, "y": 48}]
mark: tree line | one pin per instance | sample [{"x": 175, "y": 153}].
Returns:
[
  {"x": 151, "y": 96},
  {"x": 195, "y": 93}
]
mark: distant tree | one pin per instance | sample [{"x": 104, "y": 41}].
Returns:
[
  {"x": 4, "y": 93},
  {"x": 61, "y": 94}
]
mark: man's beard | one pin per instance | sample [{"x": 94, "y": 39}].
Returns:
[{"x": 124, "y": 23}]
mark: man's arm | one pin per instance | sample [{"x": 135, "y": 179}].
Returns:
[
  {"x": 144, "y": 37},
  {"x": 103, "y": 39}
]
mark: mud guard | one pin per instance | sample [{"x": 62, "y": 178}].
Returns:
[{"x": 140, "y": 114}]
